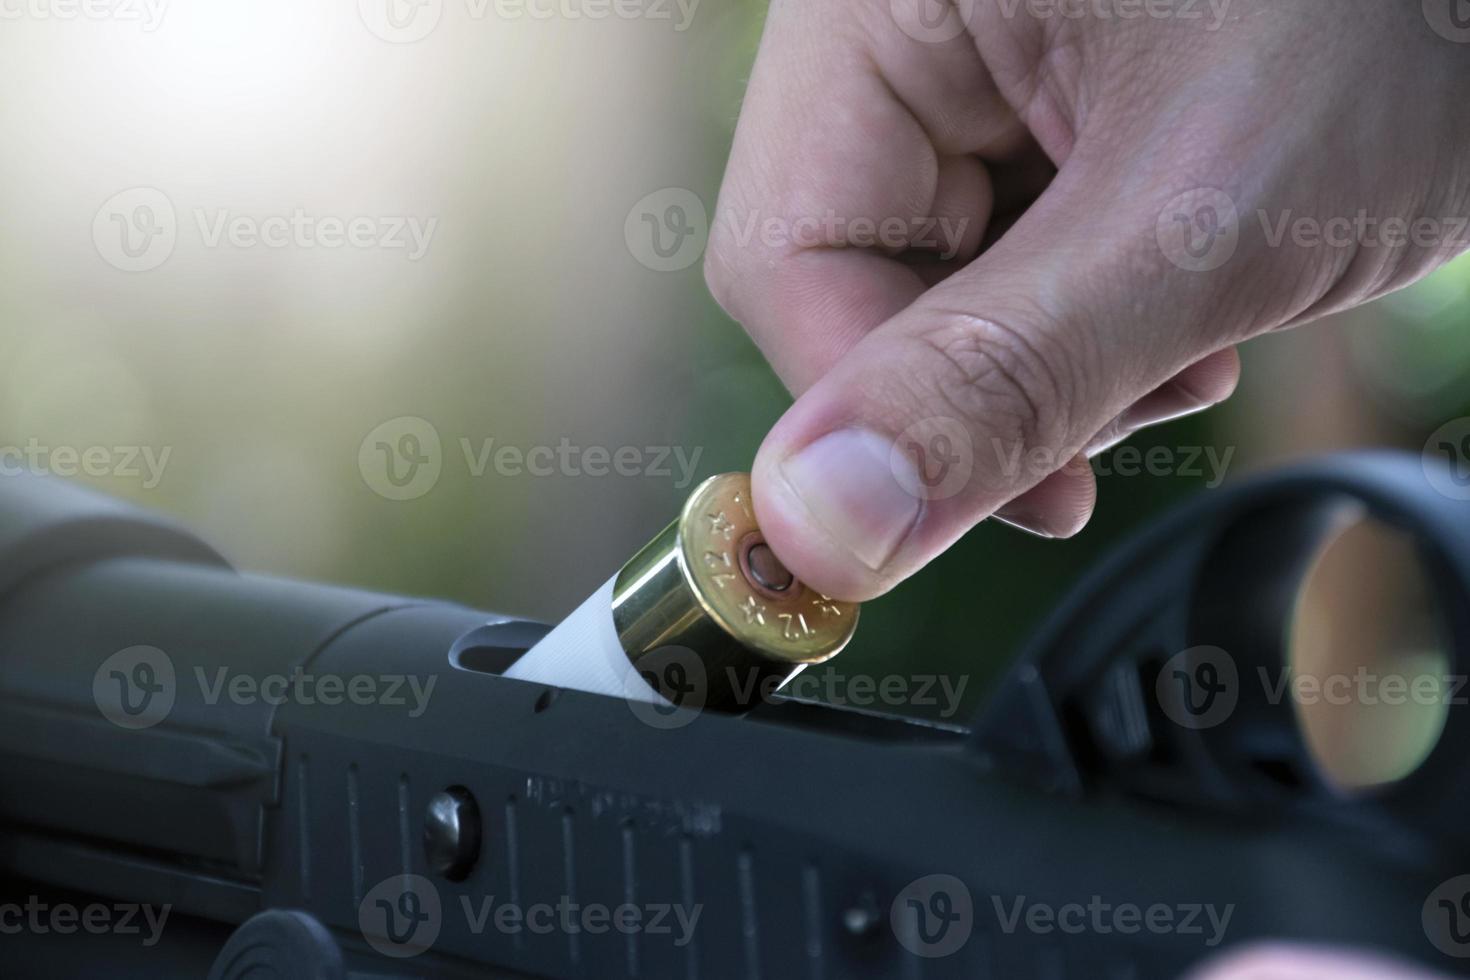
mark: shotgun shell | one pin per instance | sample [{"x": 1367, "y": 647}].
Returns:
[{"x": 704, "y": 616}]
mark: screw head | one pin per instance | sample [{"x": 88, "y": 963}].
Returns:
[{"x": 452, "y": 833}]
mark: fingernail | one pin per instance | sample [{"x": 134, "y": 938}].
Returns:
[{"x": 846, "y": 481}]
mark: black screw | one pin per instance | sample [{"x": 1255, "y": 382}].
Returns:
[{"x": 452, "y": 833}]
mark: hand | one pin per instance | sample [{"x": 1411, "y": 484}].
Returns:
[
  {"x": 1287, "y": 963},
  {"x": 981, "y": 252}
]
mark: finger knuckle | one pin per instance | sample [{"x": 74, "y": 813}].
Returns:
[
  {"x": 1009, "y": 381},
  {"x": 722, "y": 274}
]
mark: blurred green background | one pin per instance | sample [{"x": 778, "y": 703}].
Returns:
[{"x": 529, "y": 320}]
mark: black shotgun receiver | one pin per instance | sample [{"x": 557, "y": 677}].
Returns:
[{"x": 205, "y": 773}]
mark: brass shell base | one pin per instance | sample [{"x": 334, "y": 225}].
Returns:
[{"x": 699, "y": 629}]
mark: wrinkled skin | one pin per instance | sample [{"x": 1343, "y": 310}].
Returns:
[{"x": 1062, "y": 318}]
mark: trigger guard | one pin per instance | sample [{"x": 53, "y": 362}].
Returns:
[{"x": 1083, "y": 710}]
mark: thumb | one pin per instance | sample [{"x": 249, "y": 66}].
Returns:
[{"x": 995, "y": 381}]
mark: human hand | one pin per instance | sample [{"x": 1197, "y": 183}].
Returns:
[
  {"x": 1290, "y": 963},
  {"x": 940, "y": 382}
]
